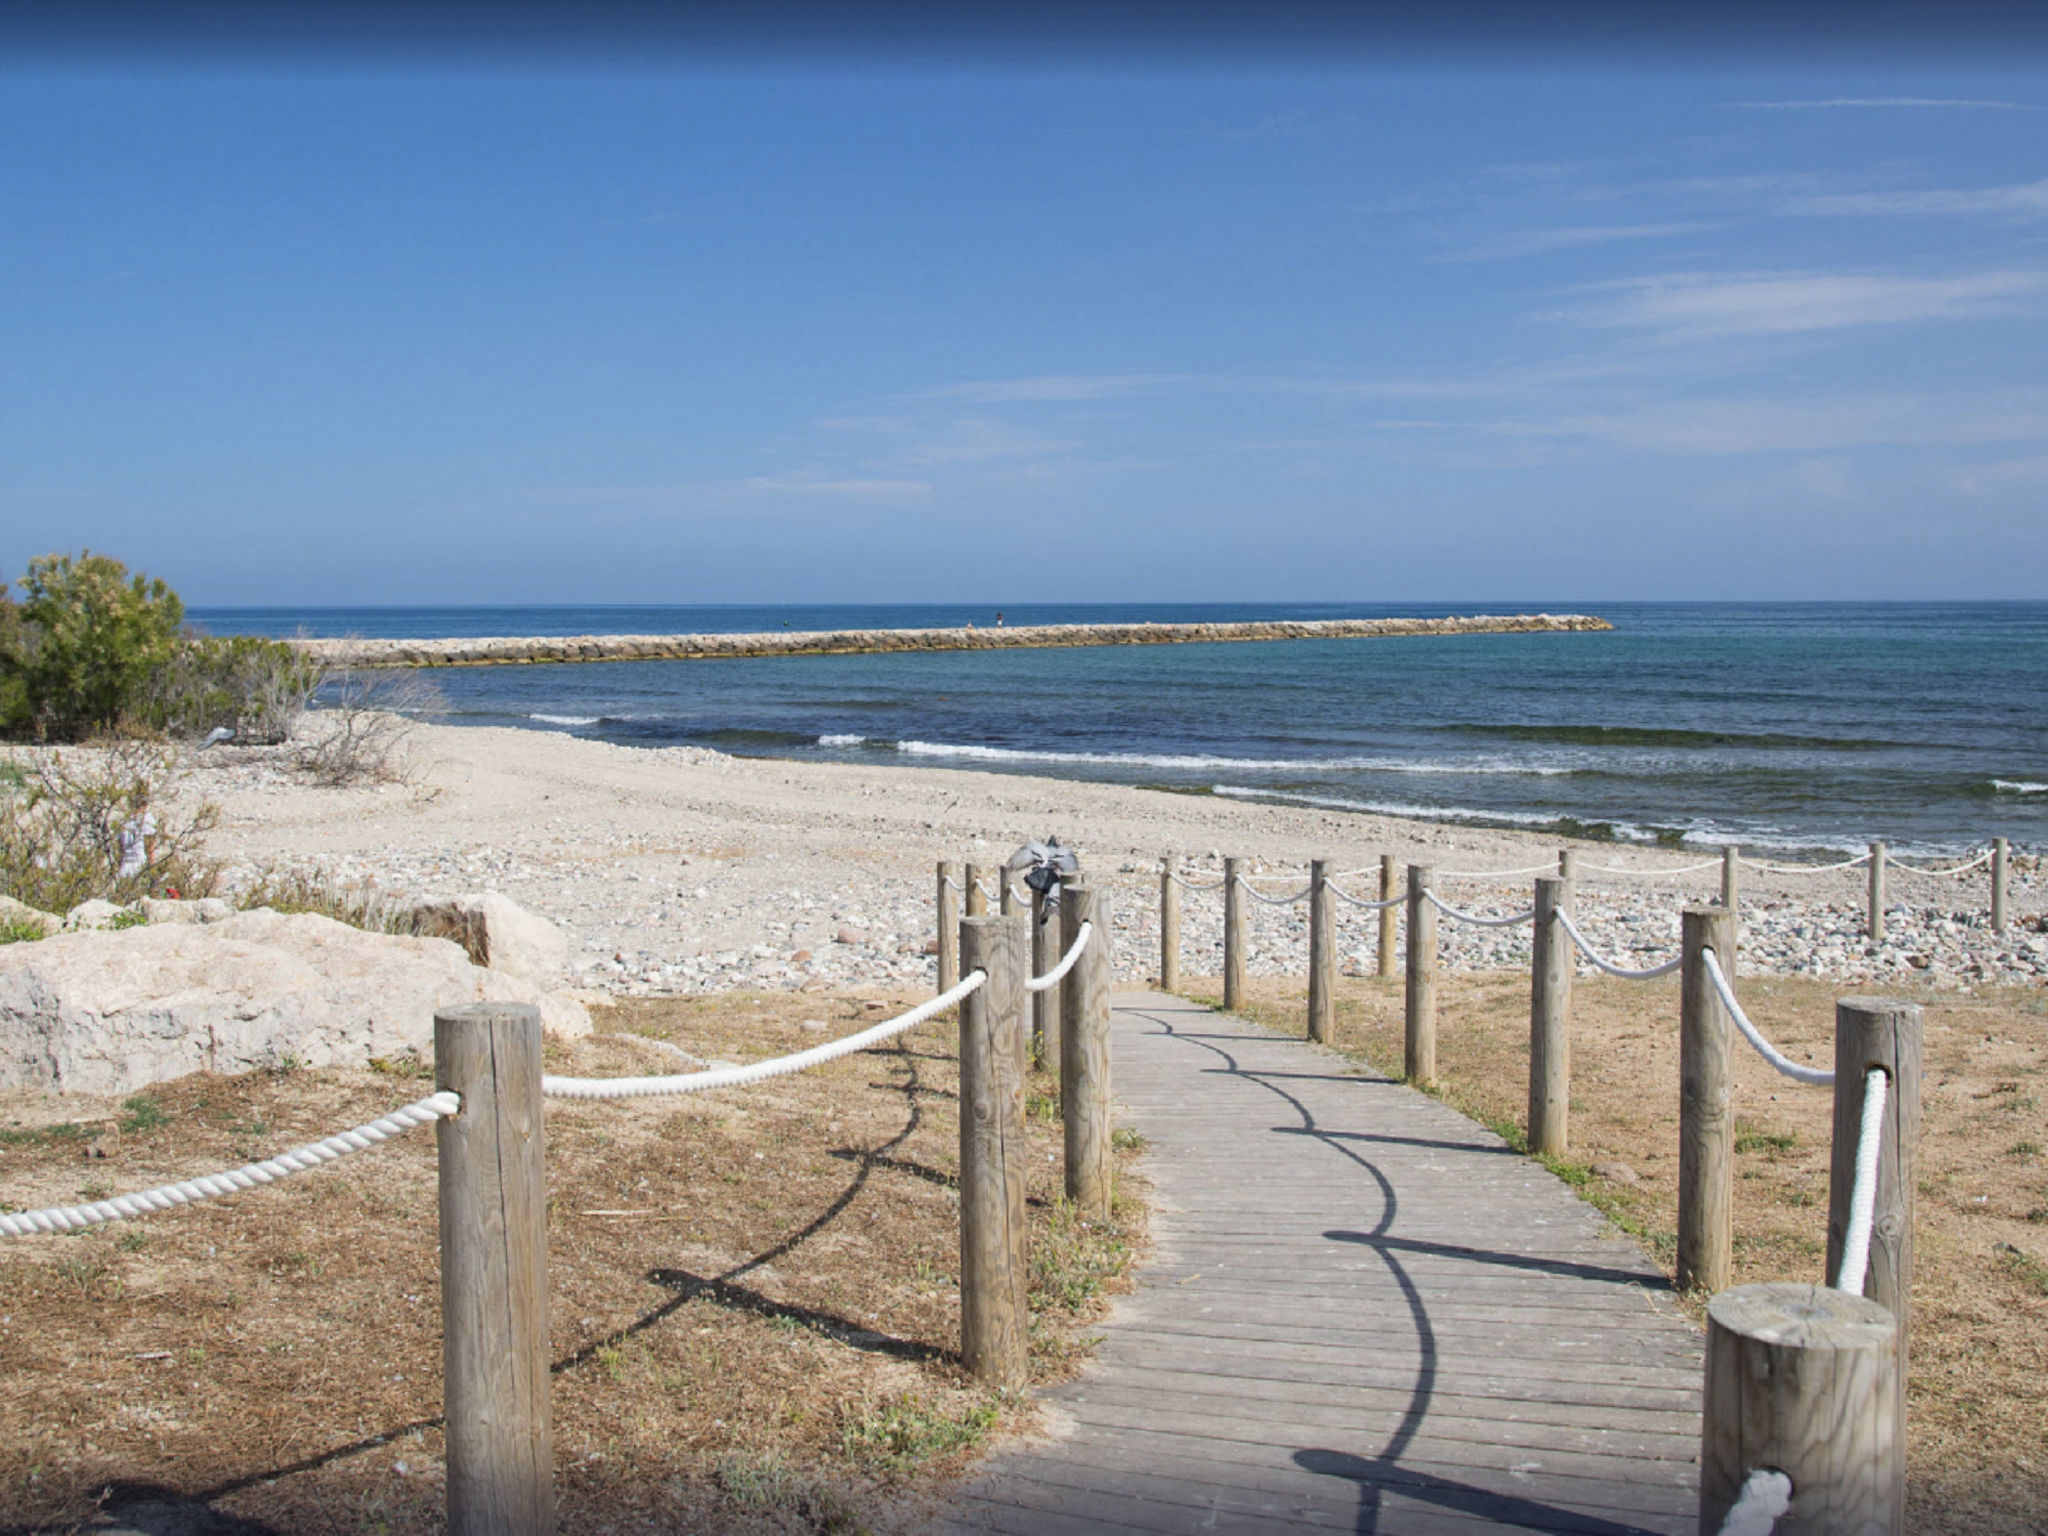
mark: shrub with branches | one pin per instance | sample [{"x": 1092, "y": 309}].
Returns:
[
  {"x": 255, "y": 687},
  {"x": 362, "y": 730},
  {"x": 63, "y": 813},
  {"x": 78, "y": 651}
]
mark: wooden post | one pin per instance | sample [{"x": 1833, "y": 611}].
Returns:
[
  {"x": 1084, "y": 1053},
  {"x": 977, "y": 898},
  {"x": 1567, "y": 859},
  {"x": 1169, "y": 927},
  {"x": 1233, "y": 936},
  {"x": 1390, "y": 917},
  {"x": 1706, "y": 1125},
  {"x": 2000, "y": 851},
  {"x": 995, "y": 1323},
  {"x": 1550, "y": 1009},
  {"x": 1801, "y": 1380},
  {"x": 1878, "y": 1032},
  {"x": 949, "y": 929},
  {"x": 1322, "y": 953},
  {"x": 1045, "y": 1048},
  {"x": 1007, "y": 893},
  {"x": 1418, "y": 1057},
  {"x": 1877, "y": 893},
  {"x": 1731, "y": 877},
  {"x": 494, "y": 1272}
]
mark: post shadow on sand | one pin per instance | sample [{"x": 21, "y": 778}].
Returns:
[{"x": 1378, "y": 1476}]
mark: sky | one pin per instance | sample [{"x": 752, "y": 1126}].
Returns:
[{"x": 1279, "y": 323}]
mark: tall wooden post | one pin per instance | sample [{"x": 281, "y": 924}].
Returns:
[
  {"x": 1233, "y": 936},
  {"x": 949, "y": 929},
  {"x": 995, "y": 1322},
  {"x": 494, "y": 1272},
  {"x": 1084, "y": 1053},
  {"x": 1877, "y": 893},
  {"x": 1169, "y": 927},
  {"x": 2000, "y": 851},
  {"x": 1567, "y": 860},
  {"x": 1731, "y": 877},
  {"x": 1418, "y": 1056},
  {"x": 1390, "y": 917},
  {"x": 1801, "y": 1380},
  {"x": 1045, "y": 1028},
  {"x": 1878, "y": 1032},
  {"x": 1550, "y": 1012},
  {"x": 1006, "y": 893},
  {"x": 977, "y": 898},
  {"x": 1706, "y": 1122},
  {"x": 1322, "y": 953}
]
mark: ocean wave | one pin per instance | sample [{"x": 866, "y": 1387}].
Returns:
[
  {"x": 1650, "y": 736},
  {"x": 1210, "y": 762},
  {"x": 841, "y": 739},
  {"x": 1452, "y": 813},
  {"x": 565, "y": 719},
  {"x": 2019, "y": 787}
]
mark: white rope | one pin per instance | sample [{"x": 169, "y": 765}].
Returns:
[
  {"x": 1855, "y": 1265},
  {"x": 1805, "y": 869},
  {"x": 754, "y": 1072},
  {"x": 1766, "y": 1495},
  {"x": 1196, "y": 885},
  {"x": 1601, "y": 962},
  {"x": 1952, "y": 870},
  {"x": 69, "y": 1218},
  {"x": 1359, "y": 901},
  {"x": 1650, "y": 874},
  {"x": 954, "y": 884},
  {"x": 1473, "y": 917},
  {"x": 988, "y": 888},
  {"x": 1052, "y": 977},
  {"x": 1274, "y": 901},
  {"x": 1490, "y": 874},
  {"x": 1764, "y": 1048}
]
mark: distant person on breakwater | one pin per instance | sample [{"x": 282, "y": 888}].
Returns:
[{"x": 999, "y": 619}]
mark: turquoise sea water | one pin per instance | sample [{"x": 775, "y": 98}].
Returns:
[{"x": 1785, "y": 726}]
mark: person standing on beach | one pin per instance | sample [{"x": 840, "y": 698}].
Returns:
[
  {"x": 135, "y": 835},
  {"x": 999, "y": 618}
]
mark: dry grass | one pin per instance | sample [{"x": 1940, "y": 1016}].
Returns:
[
  {"x": 754, "y": 1312},
  {"x": 1979, "y": 1381}
]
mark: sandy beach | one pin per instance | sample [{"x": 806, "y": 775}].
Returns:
[{"x": 680, "y": 870}]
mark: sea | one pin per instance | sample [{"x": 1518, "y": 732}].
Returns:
[{"x": 1805, "y": 729}]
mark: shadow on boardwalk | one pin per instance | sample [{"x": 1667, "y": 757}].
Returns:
[{"x": 1364, "y": 1314}]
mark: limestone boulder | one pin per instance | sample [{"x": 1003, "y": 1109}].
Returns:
[
  {"x": 499, "y": 933},
  {"x": 113, "y": 1011},
  {"x": 94, "y": 914},
  {"x": 19, "y": 914},
  {"x": 207, "y": 909}
]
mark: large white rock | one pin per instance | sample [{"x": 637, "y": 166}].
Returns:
[
  {"x": 499, "y": 933},
  {"x": 110, "y": 1012},
  {"x": 20, "y": 914}
]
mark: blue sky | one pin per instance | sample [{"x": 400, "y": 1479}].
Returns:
[{"x": 387, "y": 331}]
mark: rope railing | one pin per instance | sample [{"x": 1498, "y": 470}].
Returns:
[
  {"x": 1274, "y": 901},
  {"x": 1486, "y": 874},
  {"x": 1940, "y": 874},
  {"x": 1649, "y": 874},
  {"x": 1473, "y": 918},
  {"x": 555, "y": 1087},
  {"x": 1855, "y": 1265},
  {"x": 1805, "y": 869},
  {"x": 1753, "y": 1035},
  {"x": 1196, "y": 885},
  {"x": 71, "y": 1218},
  {"x": 989, "y": 888},
  {"x": 1766, "y": 1495},
  {"x": 1601, "y": 962},
  {"x": 1052, "y": 977},
  {"x": 1359, "y": 901}
]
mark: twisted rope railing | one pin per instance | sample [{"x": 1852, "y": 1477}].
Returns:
[
  {"x": 1855, "y": 1265},
  {"x": 70, "y": 1218},
  {"x": 1601, "y": 962},
  {"x": 1941, "y": 874},
  {"x": 1474, "y": 918},
  {"x": 1487, "y": 874},
  {"x": 1805, "y": 869},
  {"x": 1359, "y": 901},
  {"x": 1196, "y": 885},
  {"x": 990, "y": 889},
  {"x": 1650, "y": 874},
  {"x": 1052, "y": 977},
  {"x": 1764, "y": 1048},
  {"x": 1766, "y": 1495},
  {"x": 734, "y": 1077},
  {"x": 1274, "y": 901}
]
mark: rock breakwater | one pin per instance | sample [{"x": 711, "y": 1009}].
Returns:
[{"x": 512, "y": 650}]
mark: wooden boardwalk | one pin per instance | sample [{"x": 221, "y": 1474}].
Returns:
[{"x": 1363, "y": 1313}]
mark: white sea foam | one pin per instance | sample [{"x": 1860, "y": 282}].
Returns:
[
  {"x": 564, "y": 719},
  {"x": 840, "y": 739},
  {"x": 1206, "y": 762},
  {"x": 2019, "y": 787}
]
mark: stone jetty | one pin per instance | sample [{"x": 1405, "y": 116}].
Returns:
[{"x": 504, "y": 650}]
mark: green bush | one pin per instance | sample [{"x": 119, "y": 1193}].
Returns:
[
  {"x": 60, "y": 832},
  {"x": 78, "y": 651},
  {"x": 256, "y": 688}
]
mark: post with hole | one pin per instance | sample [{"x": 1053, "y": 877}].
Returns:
[
  {"x": 1731, "y": 878},
  {"x": 1169, "y": 926},
  {"x": 977, "y": 898},
  {"x": 2000, "y": 852},
  {"x": 1876, "y": 926},
  {"x": 1418, "y": 1054},
  {"x": 1233, "y": 935},
  {"x": 1706, "y": 1133},
  {"x": 1390, "y": 887},
  {"x": 1884, "y": 1034},
  {"x": 949, "y": 929},
  {"x": 995, "y": 1320},
  {"x": 1084, "y": 1052},
  {"x": 1800, "y": 1381},
  {"x": 1322, "y": 953},
  {"x": 494, "y": 1272},
  {"x": 1550, "y": 1008}
]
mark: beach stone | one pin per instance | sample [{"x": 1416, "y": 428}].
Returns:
[
  {"x": 497, "y": 932},
  {"x": 19, "y": 914},
  {"x": 93, "y": 914},
  {"x": 849, "y": 935},
  {"x": 111, "y": 1012},
  {"x": 1615, "y": 1173},
  {"x": 207, "y": 909}
]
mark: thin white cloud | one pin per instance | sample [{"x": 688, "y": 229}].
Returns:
[
  {"x": 2006, "y": 475},
  {"x": 1694, "y": 305},
  {"x": 1827, "y": 103},
  {"x": 1052, "y": 387},
  {"x": 1711, "y": 428},
  {"x": 979, "y": 440},
  {"x": 1538, "y": 242},
  {"x": 815, "y": 483},
  {"x": 2027, "y": 199}
]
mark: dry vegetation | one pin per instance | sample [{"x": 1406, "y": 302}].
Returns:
[
  {"x": 754, "y": 1313},
  {"x": 1979, "y": 1381}
]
